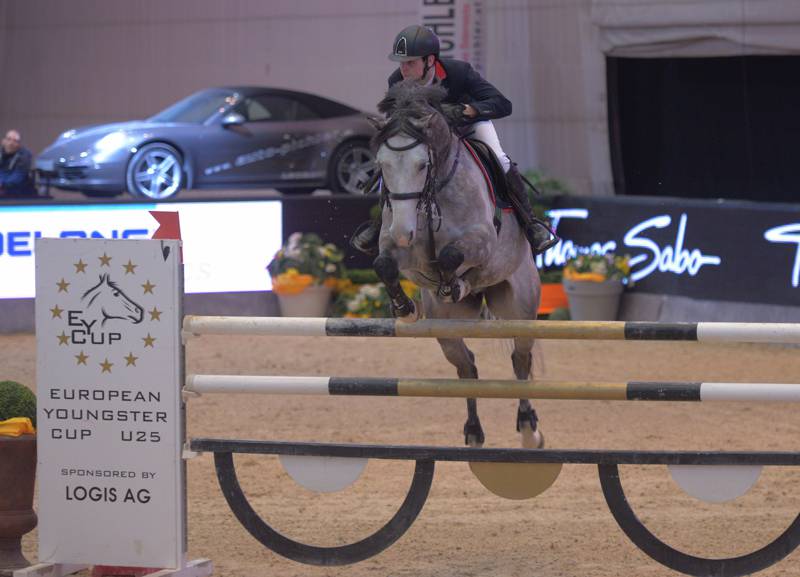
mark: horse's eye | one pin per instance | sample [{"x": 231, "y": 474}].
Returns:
[
  {"x": 422, "y": 166},
  {"x": 116, "y": 293}
]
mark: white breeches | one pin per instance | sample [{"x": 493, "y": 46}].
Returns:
[{"x": 484, "y": 130}]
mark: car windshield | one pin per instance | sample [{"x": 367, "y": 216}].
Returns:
[{"x": 198, "y": 107}]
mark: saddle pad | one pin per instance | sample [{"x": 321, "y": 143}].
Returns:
[{"x": 493, "y": 169}]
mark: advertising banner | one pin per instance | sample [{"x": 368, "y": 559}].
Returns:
[
  {"x": 227, "y": 245},
  {"x": 460, "y": 27},
  {"x": 109, "y": 413},
  {"x": 723, "y": 250}
]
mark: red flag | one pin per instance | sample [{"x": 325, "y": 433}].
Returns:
[{"x": 169, "y": 226}]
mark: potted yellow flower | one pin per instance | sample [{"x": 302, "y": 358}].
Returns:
[
  {"x": 305, "y": 272},
  {"x": 17, "y": 471},
  {"x": 593, "y": 283},
  {"x": 370, "y": 300}
]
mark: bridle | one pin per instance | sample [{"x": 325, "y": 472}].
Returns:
[{"x": 427, "y": 202}]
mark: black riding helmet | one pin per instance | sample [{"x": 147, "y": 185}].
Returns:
[{"x": 414, "y": 42}]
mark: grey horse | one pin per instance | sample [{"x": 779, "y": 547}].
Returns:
[{"x": 439, "y": 230}]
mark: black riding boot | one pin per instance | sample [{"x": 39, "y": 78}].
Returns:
[
  {"x": 539, "y": 234},
  {"x": 366, "y": 236}
]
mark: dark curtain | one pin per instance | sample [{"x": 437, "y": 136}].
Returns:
[{"x": 706, "y": 127}]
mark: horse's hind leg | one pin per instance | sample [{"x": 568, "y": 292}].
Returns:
[
  {"x": 457, "y": 353},
  {"x": 527, "y": 420},
  {"x": 463, "y": 359},
  {"x": 510, "y": 302}
]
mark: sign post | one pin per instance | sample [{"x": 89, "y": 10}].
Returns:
[{"x": 112, "y": 481}]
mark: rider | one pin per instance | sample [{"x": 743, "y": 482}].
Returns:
[{"x": 471, "y": 102}]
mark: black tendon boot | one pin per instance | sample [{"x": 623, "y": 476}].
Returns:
[{"x": 539, "y": 234}]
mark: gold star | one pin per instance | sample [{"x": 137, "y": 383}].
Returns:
[
  {"x": 62, "y": 286},
  {"x": 155, "y": 314},
  {"x": 148, "y": 287},
  {"x": 104, "y": 260},
  {"x": 56, "y": 311},
  {"x": 131, "y": 360},
  {"x": 63, "y": 339},
  {"x": 148, "y": 340},
  {"x": 106, "y": 366},
  {"x": 129, "y": 268},
  {"x": 80, "y": 266},
  {"x": 81, "y": 358}
]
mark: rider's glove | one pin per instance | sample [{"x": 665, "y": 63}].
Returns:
[{"x": 454, "y": 113}]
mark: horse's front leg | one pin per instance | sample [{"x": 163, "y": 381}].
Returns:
[
  {"x": 470, "y": 250},
  {"x": 389, "y": 272}
]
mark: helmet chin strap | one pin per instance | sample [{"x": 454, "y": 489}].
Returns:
[{"x": 427, "y": 67}]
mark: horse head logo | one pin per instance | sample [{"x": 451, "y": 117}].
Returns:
[{"x": 112, "y": 303}]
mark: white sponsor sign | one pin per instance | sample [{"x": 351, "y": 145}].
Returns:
[
  {"x": 459, "y": 24},
  {"x": 227, "y": 245},
  {"x": 110, "y": 419}
]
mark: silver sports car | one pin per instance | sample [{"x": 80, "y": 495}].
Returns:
[{"x": 235, "y": 136}]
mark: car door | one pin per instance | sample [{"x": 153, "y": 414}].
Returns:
[
  {"x": 251, "y": 151},
  {"x": 291, "y": 149}
]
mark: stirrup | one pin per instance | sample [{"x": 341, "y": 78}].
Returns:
[
  {"x": 554, "y": 240},
  {"x": 371, "y": 248}
]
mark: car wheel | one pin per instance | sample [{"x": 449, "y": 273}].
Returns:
[
  {"x": 155, "y": 172},
  {"x": 352, "y": 166}
]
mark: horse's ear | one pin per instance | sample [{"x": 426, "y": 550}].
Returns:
[{"x": 376, "y": 122}]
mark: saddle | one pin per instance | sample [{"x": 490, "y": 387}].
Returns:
[{"x": 492, "y": 171}]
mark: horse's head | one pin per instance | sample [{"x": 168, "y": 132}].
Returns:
[
  {"x": 112, "y": 302},
  {"x": 412, "y": 144}
]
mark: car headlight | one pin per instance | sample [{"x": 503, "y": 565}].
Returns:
[{"x": 111, "y": 142}]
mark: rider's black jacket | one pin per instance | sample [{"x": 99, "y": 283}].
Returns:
[{"x": 465, "y": 86}]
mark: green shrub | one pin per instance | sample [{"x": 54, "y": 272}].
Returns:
[
  {"x": 17, "y": 400},
  {"x": 561, "y": 314},
  {"x": 362, "y": 276},
  {"x": 551, "y": 276}
]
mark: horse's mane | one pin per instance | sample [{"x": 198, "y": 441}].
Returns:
[{"x": 405, "y": 105}]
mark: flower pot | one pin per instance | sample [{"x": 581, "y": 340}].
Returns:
[
  {"x": 553, "y": 297},
  {"x": 17, "y": 476},
  {"x": 313, "y": 301},
  {"x": 593, "y": 301}
]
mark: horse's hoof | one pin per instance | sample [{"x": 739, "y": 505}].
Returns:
[
  {"x": 531, "y": 439},
  {"x": 455, "y": 292},
  {"x": 473, "y": 435},
  {"x": 473, "y": 442},
  {"x": 409, "y": 317}
]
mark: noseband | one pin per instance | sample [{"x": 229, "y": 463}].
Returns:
[
  {"x": 427, "y": 203},
  {"x": 431, "y": 186}
]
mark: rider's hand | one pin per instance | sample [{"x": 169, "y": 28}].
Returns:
[
  {"x": 454, "y": 113},
  {"x": 470, "y": 111}
]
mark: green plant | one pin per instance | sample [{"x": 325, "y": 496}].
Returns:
[
  {"x": 375, "y": 211},
  {"x": 305, "y": 260},
  {"x": 361, "y": 276},
  {"x": 596, "y": 267},
  {"x": 547, "y": 185},
  {"x": 551, "y": 276},
  {"x": 16, "y": 400},
  {"x": 559, "y": 314}
]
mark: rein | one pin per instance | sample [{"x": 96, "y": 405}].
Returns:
[{"x": 427, "y": 201}]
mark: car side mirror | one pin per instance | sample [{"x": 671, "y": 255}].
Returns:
[{"x": 232, "y": 119}]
